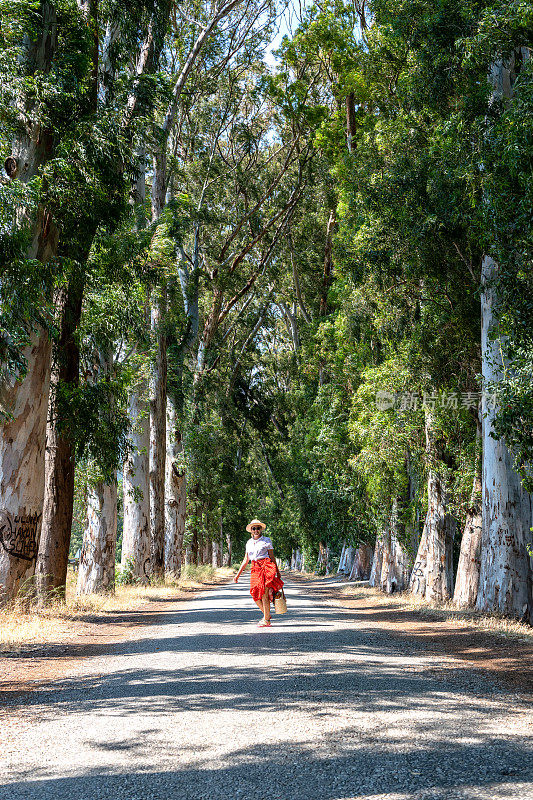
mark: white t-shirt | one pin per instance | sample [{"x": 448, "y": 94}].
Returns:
[{"x": 258, "y": 548}]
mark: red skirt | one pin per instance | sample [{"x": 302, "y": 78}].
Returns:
[{"x": 264, "y": 576}]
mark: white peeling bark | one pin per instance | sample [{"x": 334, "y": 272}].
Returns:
[
  {"x": 342, "y": 559},
  {"x": 215, "y": 555},
  {"x": 362, "y": 563},
  {"x": 22, "y": 439},
  {"x": 440, "y": 532},
  {"x": 22, "y": 451},
  {"x": 347, "y": 559},
  {"x": 158, "y": 390},
  {"x": 468, "y": 568},
  {"x": 96, "y": 573},
  {"x": 175, "y": 494},
  {"x": 432, "y": 575},
  {"x": 417, "y": 582},
  {"x": 136, "y": 485},
  {"x": 395, "y": 563},
  {"x": 506, "y": 577},
  {"x": 377, "y": 562},
  {"x": 297, "y": 561}
]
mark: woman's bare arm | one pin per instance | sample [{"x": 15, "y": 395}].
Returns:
[{"x": 243, "y": 565}]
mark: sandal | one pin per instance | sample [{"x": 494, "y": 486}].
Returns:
[{"x": 264, "y": 624}]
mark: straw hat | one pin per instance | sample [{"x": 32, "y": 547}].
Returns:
[{"x": 255, "y": 522}]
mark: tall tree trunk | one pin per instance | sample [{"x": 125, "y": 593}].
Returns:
[
  {"x": 158, "y": 392},
  {"x": 377, "y": 562},
  {"x": 136, "y": 472},
  {"x": 347, "y": 560},
  {"x": 386, "y": 561},
  {"x": 22, "y": 440},
  {"x": 394, "y": 569},
  {"x": 417, "y": 582},
  {"x": 96, "y": 574},
  {"x": 195, "y": 546},
  {"x": 506, "y": 577},
  {"x": 215, "y": 554},
  {"x": 341, "y": 559},
  {"x": 467, "y": 578},
  {"x": 433, "y": 569},
  {"x": 362, "y": 563},
  {"x": 136, "y": 485},
  {"x": 221, "y": 558},
  {"x": 22, "y": 451},
  {"x": 413, "y": 536},
  {"x": 52, "y": 560},
  {"x": 440, "y": 532},
  {"x": 175, "y": 493},
  {"x": 227, "y": 553}
]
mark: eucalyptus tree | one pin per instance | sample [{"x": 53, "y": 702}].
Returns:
[
  {"x": 112, "y": 356},
  {"x": 89, "y": 188},
  {"x": 228, "y": 24},
  {"x": 233, "y": 166},
  {"x": 506, "y": 572},
  {"x": 44, "y": 69}
]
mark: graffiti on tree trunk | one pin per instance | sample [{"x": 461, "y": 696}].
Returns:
[{"x": 18, "y": 534}]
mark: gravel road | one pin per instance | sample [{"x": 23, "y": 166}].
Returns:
[{"x": 322, "y": 706}]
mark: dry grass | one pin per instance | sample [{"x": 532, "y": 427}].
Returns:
[
  {"x": 444, "y": 612},
  {"x": 23, "y": 623}
]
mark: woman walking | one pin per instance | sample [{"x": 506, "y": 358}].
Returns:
[{"x": 265, "y": 579}]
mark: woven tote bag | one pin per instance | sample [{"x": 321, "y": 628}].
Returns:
[{"x": 280, "y": 604}]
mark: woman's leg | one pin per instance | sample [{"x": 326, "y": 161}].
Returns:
[
  {"x": 266, "y": 606},
  {"x": 259, "y": 604}
]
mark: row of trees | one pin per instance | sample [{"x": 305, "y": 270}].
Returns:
[
  {"x": 433, "y": 292},
  {"x": 302, "y": 292}
]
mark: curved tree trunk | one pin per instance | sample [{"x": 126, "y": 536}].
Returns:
[
  {"x": 136, "y": 485},
  {"x": 96, "y": 573},
  {"x": 467, "y": 578},
  {"x": 175, "y": 494},
  {"x": 506, "y": 577}
]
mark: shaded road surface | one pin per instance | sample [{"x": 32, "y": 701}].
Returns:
[{"x": 203, "y": 705}]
